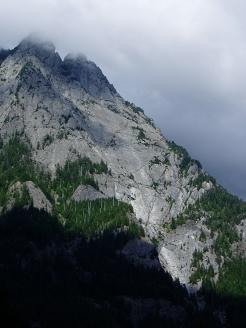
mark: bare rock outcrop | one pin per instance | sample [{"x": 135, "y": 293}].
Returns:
[
  {"x": 67, "y": 108},
  {"x": 37, "y": 197},
  {"x": 87, "y": 192}
]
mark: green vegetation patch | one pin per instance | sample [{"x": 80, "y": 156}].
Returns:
[
  {"x": 198, "y": 182},
  {"x": 93, "y": 218},
  {"x": 89, "y": 218},
  {"x": 74, "y": 173},
  {"x": 183, "y": 155},
  {"x": 232, "y": 278},
  {"x": 134, "y": 108},
  {"x": 139, "y": 110},
  {"x": 223, "y": 211},
  {"x": 16, "y": 164},
  {"x": 201, "y": 273},
  {"x": 141, "y": 135}
]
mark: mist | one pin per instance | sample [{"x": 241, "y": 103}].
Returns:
[{"x": 183, "y": 62}]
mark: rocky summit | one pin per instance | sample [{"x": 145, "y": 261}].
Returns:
[{"x": 82, "y": 144}]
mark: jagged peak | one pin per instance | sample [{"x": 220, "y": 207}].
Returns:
[
  {"x": 80, "y": 57},
  {"x": 38, "y": 46},
  {"x": 89, "y": 75},
  {"x": 74, "y": 67},
  {"x": 36, "y": 41}
]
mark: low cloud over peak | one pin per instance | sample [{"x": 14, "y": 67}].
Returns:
[{"x": 183, "y": 62}]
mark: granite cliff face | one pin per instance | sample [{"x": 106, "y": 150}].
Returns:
[{"x": 67, "y": 108}]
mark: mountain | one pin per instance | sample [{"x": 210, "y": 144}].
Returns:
[{"x": 94, "y": 164}]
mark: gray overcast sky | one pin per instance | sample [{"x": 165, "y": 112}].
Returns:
[{"x": 183, "y": 61}]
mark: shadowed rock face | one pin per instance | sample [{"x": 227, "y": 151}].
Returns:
[
  {"x": 4, "y": 54},
  {"x": 53, "y": 279},
  {"x": 75, "y": 68},
  {"x": 89, "y": 76},
  {"x": 69, "y": 109},
  {"x": 44, "y": 50}
]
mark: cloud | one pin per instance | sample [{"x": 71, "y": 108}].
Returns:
[{"x": 184, "y": 62}]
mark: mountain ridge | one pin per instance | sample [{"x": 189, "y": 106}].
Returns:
[{"x": 67, "y": 109}]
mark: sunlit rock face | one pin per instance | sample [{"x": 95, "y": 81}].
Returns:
[{"x": 68, "y": 108}]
